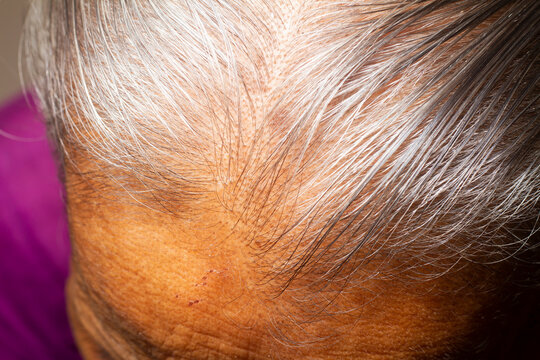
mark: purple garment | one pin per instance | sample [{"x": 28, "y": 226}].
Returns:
[{"x": 34, "y": 243}]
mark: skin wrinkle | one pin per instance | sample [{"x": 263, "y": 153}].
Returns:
[
  {"x": 341, "y": 161},
  {"x": 127, "y": 262},
  {"x": 365, "y": 323}
]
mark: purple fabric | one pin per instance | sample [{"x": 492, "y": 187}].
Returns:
[{"x": 34, "y": 244}]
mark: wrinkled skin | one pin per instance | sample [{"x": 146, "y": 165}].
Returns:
[{"x": 148, "y": 285}]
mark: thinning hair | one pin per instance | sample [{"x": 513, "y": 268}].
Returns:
[{"x": 341, "y": 130}]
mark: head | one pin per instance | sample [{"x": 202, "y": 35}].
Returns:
[{"x": 288, "y": 179}]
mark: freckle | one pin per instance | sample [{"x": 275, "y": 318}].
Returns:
[
  {"x": 204, "y": 277},
  {"x": 176, "y": 296},
  {"x": 191, "y": 303}
]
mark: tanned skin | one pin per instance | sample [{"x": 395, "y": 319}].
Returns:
[{"x": 146, "y": 284}]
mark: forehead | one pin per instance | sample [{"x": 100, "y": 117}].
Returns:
[
  {"x": 148, "y": 281},
  {"x": 150, "y": 284}
]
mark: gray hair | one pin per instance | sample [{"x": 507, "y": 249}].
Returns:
[{"x": 341, "y": 131}]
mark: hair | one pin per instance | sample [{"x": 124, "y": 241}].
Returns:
[{"x": 342, "y": 131}]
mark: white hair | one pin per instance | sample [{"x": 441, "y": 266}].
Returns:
[{"x": 342, "y": 131}]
